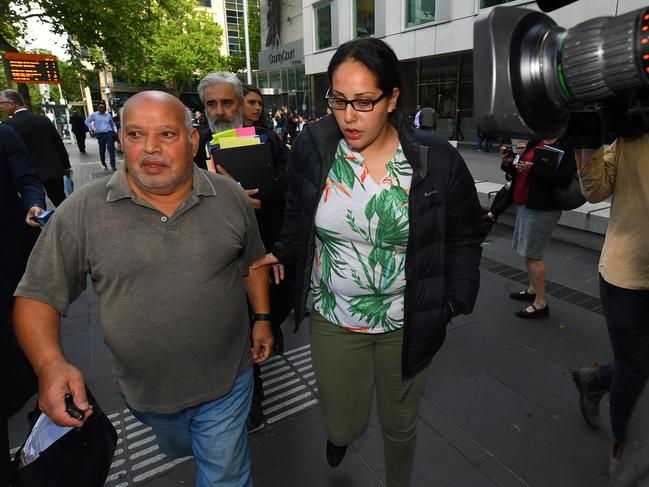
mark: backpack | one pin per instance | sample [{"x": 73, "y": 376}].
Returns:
[{"x": 427, "y": 118}]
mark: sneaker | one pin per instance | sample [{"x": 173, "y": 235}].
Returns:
[
  {"x": 590, "y": 394},
  {"x": 255, "y": 420},
  {"x": 335, "y": 454}
]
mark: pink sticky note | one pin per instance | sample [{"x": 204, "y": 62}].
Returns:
[
  {"x": 246, "y": 132},
  {"x": 211, "y": 167}
]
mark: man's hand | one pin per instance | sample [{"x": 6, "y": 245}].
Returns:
[
  {"x": 262, "y": 341},
  {"x": 68, "y": 172},
  {"x": 256, "y": 203},
  {"x": 33, "y": 211},
  {"x": 271, "y": 260},
  {"x": 56, "y": 379}
]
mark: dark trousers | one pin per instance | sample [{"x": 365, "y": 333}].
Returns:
[
  {"x": 17, "y": 379},
  {"x": 81, "y": 140},
  {"x": 281, "y": 304},
  {"x": 627, "y": 319},
  {"x": 502, "y": 201},
  {"x": 55, "y": 190},
  {"x": 106, "y": 139}
]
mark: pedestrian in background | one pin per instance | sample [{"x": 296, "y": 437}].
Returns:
[
  {"x": 43, "y": 142},
  {"x": 428, "y": 118},
  {"x": 537, "y": 213},
  {"x": 253, "y": 107},
  {"x": 183, "y": 365},
  {"x": 79, "y": 129},
  {"x": 101, "y": 124},
  {"x": 387, "y": 268},
  {"x": 620, "y": 172}
]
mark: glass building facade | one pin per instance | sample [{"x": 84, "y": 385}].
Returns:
[{"x": 286, "y": 86}]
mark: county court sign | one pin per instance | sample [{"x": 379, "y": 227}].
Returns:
[{"x": 282, "y": 56}]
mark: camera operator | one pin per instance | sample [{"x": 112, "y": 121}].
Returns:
[{"x": 622, "y": 171}]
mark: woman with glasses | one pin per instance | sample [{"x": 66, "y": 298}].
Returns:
[{"x": 384, "y": 225}]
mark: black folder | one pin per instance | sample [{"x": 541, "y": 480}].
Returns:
[
  {"x": 549, "y": 158},
  {"x": 249, "y": 165}
]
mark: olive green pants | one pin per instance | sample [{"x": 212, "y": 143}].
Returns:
[{"x": 348, "y": 367}]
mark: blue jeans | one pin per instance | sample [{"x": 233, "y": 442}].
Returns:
[
  {"x": 627, "y": 318},
  {"x": 214, "y": 432},
  {"x": 106, "y": 139}
]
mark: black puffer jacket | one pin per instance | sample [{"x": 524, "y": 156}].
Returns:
[{"x": 446, "y": 229}]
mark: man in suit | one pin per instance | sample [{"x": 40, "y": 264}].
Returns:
[
  {"x": 43, "y": 143},
  {"x": 79, "y": 130},
  {"x": 21, "y": 197}
]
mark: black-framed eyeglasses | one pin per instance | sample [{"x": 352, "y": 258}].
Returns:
[{"x": 360, "y": 105}]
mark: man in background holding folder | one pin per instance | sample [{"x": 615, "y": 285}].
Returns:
[{"x": 222, "y": 96}]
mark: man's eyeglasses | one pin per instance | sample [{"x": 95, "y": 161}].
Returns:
[{"x": 360, "y": 105}]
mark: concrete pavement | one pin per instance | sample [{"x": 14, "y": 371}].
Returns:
[{"x": 499, "y": 409}]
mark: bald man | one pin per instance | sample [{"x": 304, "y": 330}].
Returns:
[{"x": 168, "y": 247}]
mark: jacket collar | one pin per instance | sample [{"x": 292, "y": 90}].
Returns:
[{"x": 414, "y": 151}]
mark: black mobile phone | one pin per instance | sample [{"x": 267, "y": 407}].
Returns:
[
  {"x": 43, "y": 217},
  {"x": 71, "y": 409}
]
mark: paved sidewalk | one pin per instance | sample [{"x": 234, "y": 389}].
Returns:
[{"x": 499, "y": 409}]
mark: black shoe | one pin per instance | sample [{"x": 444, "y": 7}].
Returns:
[
  {"x": 543, "y": 312},
  {"x": 335, "y": 454},
  {"x": 104, "y": 165},
  {"x": 523, "y": 296},
  {"x": 113, "y": 168},
  {"x": 83, "y": 151},
  {"x": 255, "y": 420}
]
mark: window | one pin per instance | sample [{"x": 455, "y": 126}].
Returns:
[
  {"x": 492, "y": 3},
  {"x": 420, "y": 12},
  {"x": 204, "y": 3},
  {"x": 323, "y": 26},
  {"x": 365, "y": 15}
]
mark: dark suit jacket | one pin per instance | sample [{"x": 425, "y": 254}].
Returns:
[
  {"x": 19, "y": 190},
  {"x": 43, "y": 143}
]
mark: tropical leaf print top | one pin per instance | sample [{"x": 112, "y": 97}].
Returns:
[{"x": 361, "y": 229}]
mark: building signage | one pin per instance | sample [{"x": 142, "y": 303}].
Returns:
[
  {"x": 281, "y": 56},
  {"x": 31, "y": 68}
]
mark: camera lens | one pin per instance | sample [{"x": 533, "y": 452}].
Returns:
[
  {"x": 594, "y": 60},
  {"x": 537, "y": 74}
]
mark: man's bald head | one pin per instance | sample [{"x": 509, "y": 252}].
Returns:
[
  {"x": 159, "y": 143},
  {"x": 159, "y": 97}
]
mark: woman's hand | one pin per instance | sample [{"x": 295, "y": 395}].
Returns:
[
  {"x": 506, "y": 155},
  {"x": 523, "y": 166},
  {"x": 271, "y": 260}
]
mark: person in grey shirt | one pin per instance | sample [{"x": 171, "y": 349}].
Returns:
[{"x": 168, "y": 247}]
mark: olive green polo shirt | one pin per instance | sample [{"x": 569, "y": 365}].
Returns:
[{"x": 171, "y": 290}]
